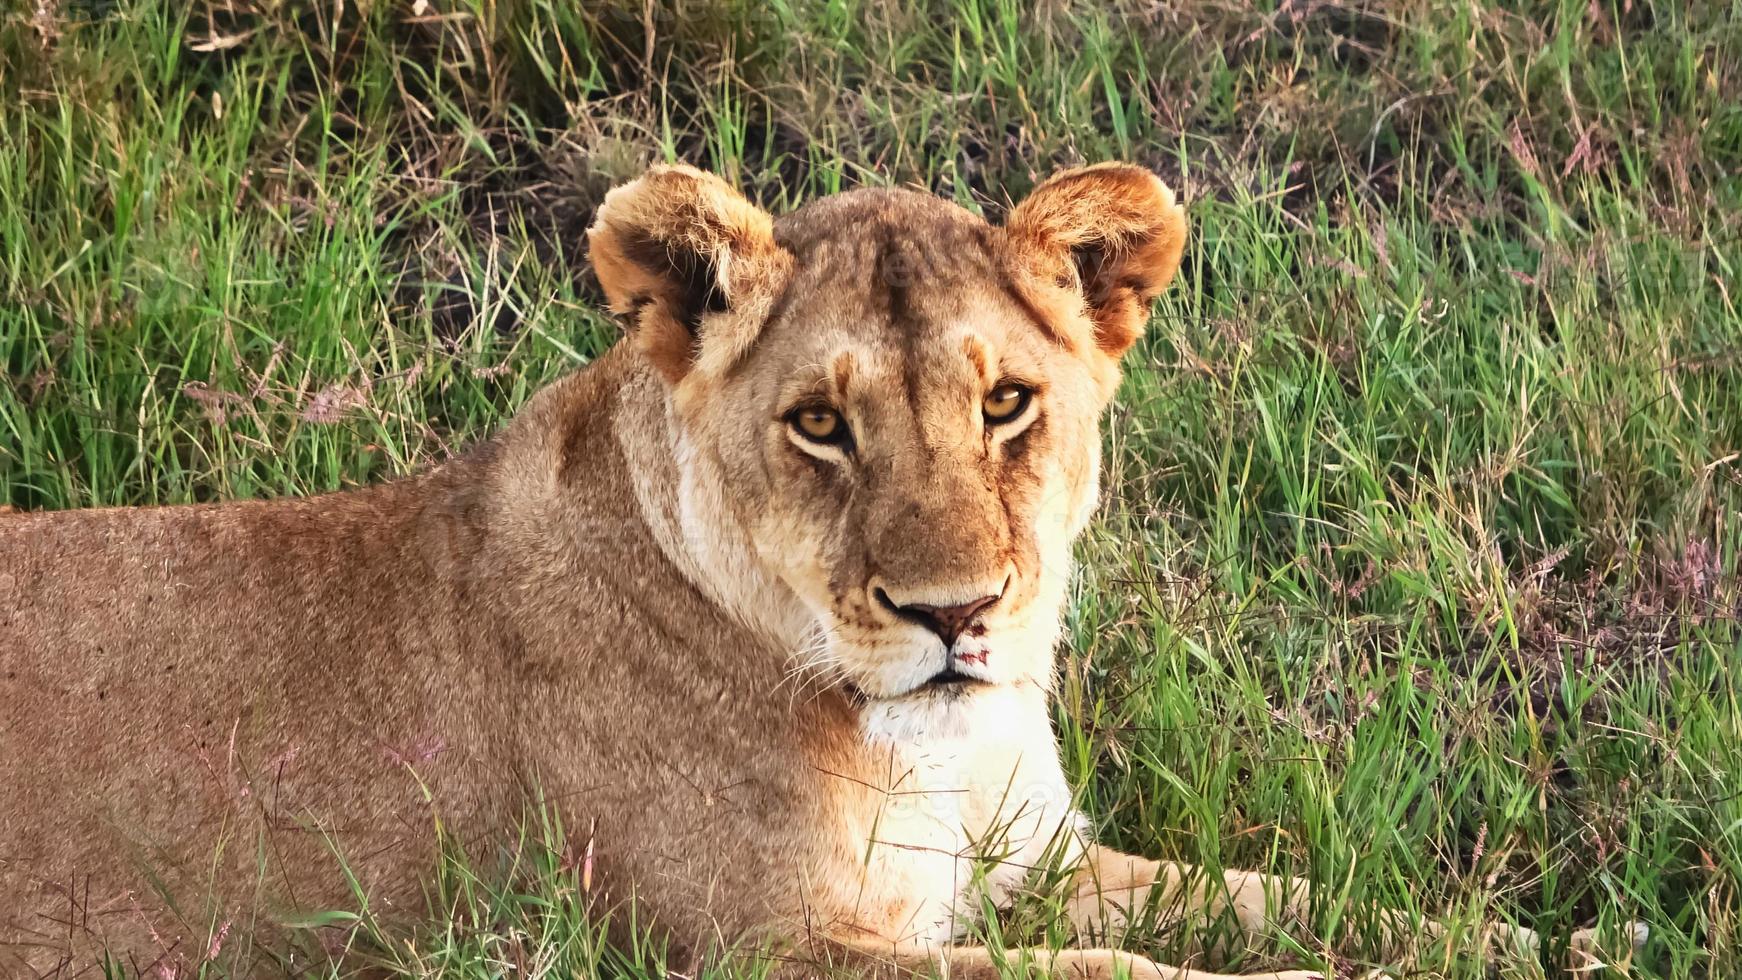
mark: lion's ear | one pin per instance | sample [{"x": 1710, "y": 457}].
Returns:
[
  {"x": 1111, "y": 231},
  {"x": 675, "y": 248}
]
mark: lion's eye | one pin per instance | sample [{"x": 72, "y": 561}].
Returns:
[
  {"x": 820, "y": 424},
  {"x": 1006, "y": 403}
]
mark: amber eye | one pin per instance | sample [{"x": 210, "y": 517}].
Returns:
[
  {"x": 1006, "y": 403},
  {"x": 819, "y": 423}
]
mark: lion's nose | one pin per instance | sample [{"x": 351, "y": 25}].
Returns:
[{"x": 948, "y": 622}]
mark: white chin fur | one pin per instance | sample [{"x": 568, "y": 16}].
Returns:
[{"x": 929, "y": 715}]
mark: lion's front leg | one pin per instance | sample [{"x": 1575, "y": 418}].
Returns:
[
  {"x": 857, "y": 960},
  {"x": 1109, "y": 890},
  {"x": 1225, "y": 914}
]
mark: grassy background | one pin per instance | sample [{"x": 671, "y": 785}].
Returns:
[{"x": 1417, "y": 571}]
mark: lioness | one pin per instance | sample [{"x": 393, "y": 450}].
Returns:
[{"x": 763, "y": 602}]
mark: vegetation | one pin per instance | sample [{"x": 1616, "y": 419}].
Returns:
[{"x": 1418, "y": 567}]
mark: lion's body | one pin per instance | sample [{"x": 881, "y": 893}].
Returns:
[
  {"x": 761, "y": 607},
  {"x": 183, "y": 678},
  {"x": 218, "y": 693}
]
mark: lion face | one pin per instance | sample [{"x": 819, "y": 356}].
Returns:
[
  {"x": 917, "y": 452},
  {"x": 897, "y": 401}
]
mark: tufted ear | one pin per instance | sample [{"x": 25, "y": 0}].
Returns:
[
  {"x": 674, "y": 250},
  {"x": 1113, "y": 233}
]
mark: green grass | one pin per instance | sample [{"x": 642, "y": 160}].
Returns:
[{"x": 1417, "y": 572}]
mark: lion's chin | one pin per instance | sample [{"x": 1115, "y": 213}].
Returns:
[
  {"x": 947, "y": 708},
  {"x": 918, "y": 716}
]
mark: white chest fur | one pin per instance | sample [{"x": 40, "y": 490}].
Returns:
[{"x": 971, "y": 802}]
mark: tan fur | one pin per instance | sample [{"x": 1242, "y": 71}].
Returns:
[{"x": 646, "y": 603}]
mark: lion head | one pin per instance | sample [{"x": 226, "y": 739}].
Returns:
[{"x": 896, "y": 401}]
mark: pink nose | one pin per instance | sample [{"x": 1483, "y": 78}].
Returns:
[{"x": 948, "y": 622}]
